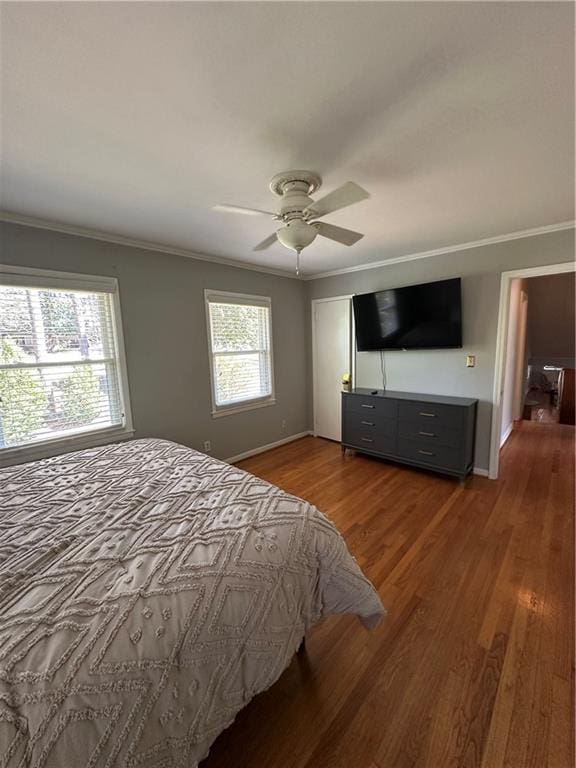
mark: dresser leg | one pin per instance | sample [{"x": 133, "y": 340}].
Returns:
[{"x": 343, "y": 450}]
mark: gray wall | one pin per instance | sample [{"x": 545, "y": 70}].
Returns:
[
  {"x": 551, "y": 317},
  {"x": 165, "y": 330},
  {"x": 444, "y": 371},
  {"x": 162, "y": 300}
]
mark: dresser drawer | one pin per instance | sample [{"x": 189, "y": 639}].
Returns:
[
  {"x": 371, "y": 405},
  {"x": 437, "y": 456},
  {"x": 427, "y": 414},
  {"x": 369, "y": 422},
  {"x": 409, "y": 428},
  {"x": 365, "y": 439},
  {"x": 431, "y": 432}
]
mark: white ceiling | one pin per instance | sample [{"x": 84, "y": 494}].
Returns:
[{"x": 136, "y": 118}]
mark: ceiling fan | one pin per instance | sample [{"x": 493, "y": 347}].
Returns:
[{"x": 299, "y": 214}]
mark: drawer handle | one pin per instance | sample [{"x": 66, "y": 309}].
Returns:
[
  {"x": 367, "y": 423},
  {"x": 424, "y": 413},
  {"x": 367, "y": 439},
  {"x": 365, "y": 405},
  {"x": 427, "y": 434},
  {"x": 426, "y": 453}
]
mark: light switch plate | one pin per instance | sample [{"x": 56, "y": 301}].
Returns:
[{"x": 470, "y": 361}]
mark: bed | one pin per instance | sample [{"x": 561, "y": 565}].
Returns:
[{"x": 147, "y": 593}]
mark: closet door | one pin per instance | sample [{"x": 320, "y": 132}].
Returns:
[{"x": 332, "y": 345}]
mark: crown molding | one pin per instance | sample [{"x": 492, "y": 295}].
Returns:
[
  {"x": 546, "y": 229},
  {"x": 70, "y": 229}
]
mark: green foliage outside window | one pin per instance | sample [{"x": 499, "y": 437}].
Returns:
[
  {"x": 241, "y": 351},
  {"x": 23, "y": 401},
  {"x": 238, "y": 327},
  {"x": 80, "y": 396},
  {"x": 60, "y": 318}
]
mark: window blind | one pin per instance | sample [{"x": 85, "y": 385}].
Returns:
[
  {"x": 240, "y": 348},
  {"x": 59, "y": 368}
]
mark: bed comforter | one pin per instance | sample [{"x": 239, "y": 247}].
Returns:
[{"x": 147, "y": 593}]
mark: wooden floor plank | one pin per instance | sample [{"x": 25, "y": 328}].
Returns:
[{"x": 474, "y": 666}]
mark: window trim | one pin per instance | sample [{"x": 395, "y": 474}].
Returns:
[
  {"x": 30, "y": 277},
  {"x": 230, "y": 297}
]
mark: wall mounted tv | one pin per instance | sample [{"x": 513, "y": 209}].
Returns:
[{"x": 426, "y": 316}]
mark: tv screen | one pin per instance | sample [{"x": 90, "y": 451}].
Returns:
[{"x": 427, "y": 316}]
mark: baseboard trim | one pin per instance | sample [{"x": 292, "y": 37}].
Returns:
[
  {"x": 506, "y": 434},
  {"x": 264, "y": 448}
]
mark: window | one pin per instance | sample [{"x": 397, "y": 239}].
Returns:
[
  {"x": 239, "y": 337},
  {"x": 62, "y": 373}
]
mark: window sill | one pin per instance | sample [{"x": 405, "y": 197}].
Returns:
[
  {"x": 241, "y": 407},
  {"x": 48, "y": 448}
]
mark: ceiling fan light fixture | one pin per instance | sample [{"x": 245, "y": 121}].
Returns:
[
  {"x": 300, "y": 213},
  {"x": 296, "y": 235}
]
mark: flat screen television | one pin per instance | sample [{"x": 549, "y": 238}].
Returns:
[{"x": 426, "y": 316}]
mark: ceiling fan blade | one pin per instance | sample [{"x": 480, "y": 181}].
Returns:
[
  {"x": 270, "y": 240},
  {"x": 339, "y": 234},
  {"x": 342, "y": 197},
  {"x": 241, "y": 209}
]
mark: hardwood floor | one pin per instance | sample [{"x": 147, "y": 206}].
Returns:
[
  {"x": 541, "y": 408},
  {"x": 474, "y": 664}
]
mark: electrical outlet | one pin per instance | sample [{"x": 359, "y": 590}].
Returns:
[
  {"x": 470, "y": 361},
  {"x": 283, "y": 423},
  {"x": 207, "y": 445}
]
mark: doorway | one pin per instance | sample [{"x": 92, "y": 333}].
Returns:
[
  {"x": 516, "y": 370},
  {"x": 514, "y": 385},
  {"x": 332, "y": 358}
]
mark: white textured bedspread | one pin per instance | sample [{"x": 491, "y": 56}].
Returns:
[{"x": 147, "y": 592}]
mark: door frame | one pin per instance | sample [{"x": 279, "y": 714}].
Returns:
[
  {"x": 351, "y": 349},
  {"x": 518, "y": 392},
  {"x": 501, "y": 349}
]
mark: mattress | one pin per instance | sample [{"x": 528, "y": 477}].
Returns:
[{"x": 147, "y": 593}]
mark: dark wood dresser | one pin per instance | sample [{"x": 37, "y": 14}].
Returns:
[
  {"x": 429, "y": 431},
  {"x": 566, "y": 413}
]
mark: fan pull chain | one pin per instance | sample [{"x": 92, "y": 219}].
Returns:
[{"x": 298, "y": 263}]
